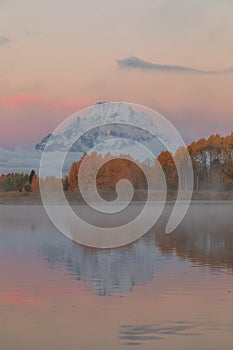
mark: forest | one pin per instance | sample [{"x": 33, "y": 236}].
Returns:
[{"x": 212, "y": 161}]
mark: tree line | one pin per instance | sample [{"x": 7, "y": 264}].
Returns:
[
  {"x": 212, "y": 161},
  {"x": 19, "y": 182}
]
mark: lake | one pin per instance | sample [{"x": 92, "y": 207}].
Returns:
[{"x": 161, "y": 292}]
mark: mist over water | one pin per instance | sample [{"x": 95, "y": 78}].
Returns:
[{"x": 161, "y": 290}]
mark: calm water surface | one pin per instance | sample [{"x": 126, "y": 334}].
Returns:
[{"x": 162, "y": 292}]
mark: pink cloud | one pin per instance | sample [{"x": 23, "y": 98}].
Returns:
[
  {"x": 26, "y": 118},
  {"x": 27, "y": 100},
  {"x": 18, "y": 298}
]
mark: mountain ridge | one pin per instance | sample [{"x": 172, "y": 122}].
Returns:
[{"x": 116, "y": 115}]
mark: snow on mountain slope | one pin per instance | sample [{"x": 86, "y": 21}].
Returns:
[{"x": 94, "y": 121}]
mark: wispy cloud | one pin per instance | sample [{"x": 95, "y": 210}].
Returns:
[
  {"x": 29, "y": 100},
  {"x": 133, "y": 62},
  {"x": 4, "y": 40}
]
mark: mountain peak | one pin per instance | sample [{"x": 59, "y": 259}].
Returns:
[{"x": 104, "y": 121}]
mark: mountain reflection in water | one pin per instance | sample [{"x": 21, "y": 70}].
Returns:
[{"x": 205, "y": 238}]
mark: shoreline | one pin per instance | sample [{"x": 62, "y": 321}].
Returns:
[{"x": 17, "y": 198}]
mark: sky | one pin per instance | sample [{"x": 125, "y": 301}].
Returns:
[{"x": 56, "y": 57}]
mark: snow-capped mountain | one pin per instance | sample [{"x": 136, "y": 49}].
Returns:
[
  {"x": 41, "y": 146},
  {"x": 92, "y": 130}
]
